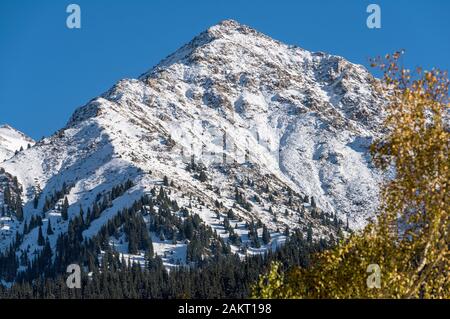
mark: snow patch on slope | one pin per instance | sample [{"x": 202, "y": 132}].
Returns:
[{"x": 11, "y": 140}]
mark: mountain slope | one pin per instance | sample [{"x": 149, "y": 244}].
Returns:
[
  {"x": 11, "y": 141},
  {"x": 235, "y": 120}
]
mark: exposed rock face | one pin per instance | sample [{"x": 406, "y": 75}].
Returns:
[{"x": 318, "y": 111}]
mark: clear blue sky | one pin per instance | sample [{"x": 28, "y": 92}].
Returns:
[{"x": 47, "y": 70}]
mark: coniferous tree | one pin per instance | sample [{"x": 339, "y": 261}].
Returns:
[
  {"x": 202, "y": 177},
  {"x": 188, "y": 229},
  {"x": 7, "y": 195},
  {"x": 230, "y": 214},
  {"x": 40, "y": 240},
  {"x": 309, "y": 233},
  {"x": 265, "y": 235},
  {"x": 65, "y": 209},
  {"x": 35, "y": 201},
  {"x": 19, "y": 209},
  {"x": 49, "y": 228}
]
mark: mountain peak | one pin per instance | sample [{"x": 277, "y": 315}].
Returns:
[
  {"x": 229, "y": 23},
  {"x": 233, "y": 117},
  {"x": 230, "y": 26},
  {"x": 229, "y": 32}
]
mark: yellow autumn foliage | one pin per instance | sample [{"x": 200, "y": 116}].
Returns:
[{"x": 409, "y": 238}]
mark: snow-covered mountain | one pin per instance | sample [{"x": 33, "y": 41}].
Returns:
[
  {"x": 270, "y": 123},
  {"x": 11, "y": 140}
]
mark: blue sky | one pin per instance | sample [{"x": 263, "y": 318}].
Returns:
[{"x": 47, "y": 70}]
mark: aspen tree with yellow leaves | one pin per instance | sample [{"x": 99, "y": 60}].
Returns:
[{"x": 409, "y": 237}]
